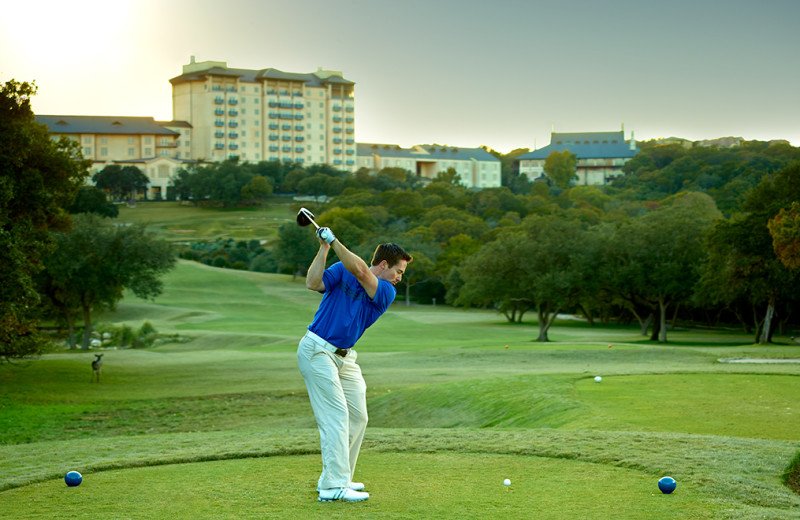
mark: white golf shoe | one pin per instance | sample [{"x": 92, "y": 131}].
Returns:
[{"x": 344, "y": 494}]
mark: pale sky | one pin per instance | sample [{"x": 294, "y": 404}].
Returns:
[{"x": 500, "y": 73}]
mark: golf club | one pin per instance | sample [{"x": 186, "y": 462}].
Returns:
[{"x": 305, "y": 217}]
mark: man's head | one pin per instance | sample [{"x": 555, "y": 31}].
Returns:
[{"x": 390, "y": 262}]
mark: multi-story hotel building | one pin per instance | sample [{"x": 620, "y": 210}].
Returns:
[
  {"x": 476, "y": 167},
  {"x": 600, "y": 155},
  {"x": 158, "y": 148},
  {"x": 266, "y": 114}
]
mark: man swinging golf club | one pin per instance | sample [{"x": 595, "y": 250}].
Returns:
[{"x": 354, "y": 296}]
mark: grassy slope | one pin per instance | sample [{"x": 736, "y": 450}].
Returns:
[{"x": 233, "y": 391}]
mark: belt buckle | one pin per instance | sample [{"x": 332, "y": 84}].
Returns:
[{"x": 341, "y": 352}]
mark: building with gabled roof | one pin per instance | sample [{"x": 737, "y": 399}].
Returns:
[
  {"x": 267, "y": 114},
  {"x": 158, "y": 148},
  {"x": 600, "y": 155},
  {"x": 476, "y": 167}
]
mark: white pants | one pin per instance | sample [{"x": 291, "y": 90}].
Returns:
[{"x": 338, "y": 396}]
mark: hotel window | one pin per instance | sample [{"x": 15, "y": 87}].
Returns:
[
  {"x": 130, "y": 152},
  {"x": 104, "y": 151},
  {"x": 256, "y": 100},
  {"x": 87, "y": 151},
  {"x": 256, "y": 111},
  {"x": 147, "y": 140},
  {"x": 87, "y": 139},
  {"x": 104, "y": 140},
  {"x": 147, "y": 152}
]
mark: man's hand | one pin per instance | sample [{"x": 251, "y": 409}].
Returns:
[{"x": 326, "y": 234}]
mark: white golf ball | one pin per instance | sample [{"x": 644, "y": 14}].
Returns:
[
  {"x": 598, "y": 379},
  {"x": 507, "y": 482}
]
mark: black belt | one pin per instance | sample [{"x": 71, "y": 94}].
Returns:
[{"x": 341, "y": 352}]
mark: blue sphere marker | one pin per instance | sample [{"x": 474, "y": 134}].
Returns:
[
  {"x": 73, "y": 478},
  {"x": 667, "y": 485}
]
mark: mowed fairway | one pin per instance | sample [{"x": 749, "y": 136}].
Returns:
[{"x": 216, "y": 423}]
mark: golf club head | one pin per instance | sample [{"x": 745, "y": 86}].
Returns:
[{"x": 305, "y": 218}]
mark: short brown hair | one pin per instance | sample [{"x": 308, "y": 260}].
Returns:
[{"x": 392, "y": 253}]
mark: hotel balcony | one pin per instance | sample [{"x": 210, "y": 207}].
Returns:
[
  {"x": 219, "y": 112},
  {"x": 233, "y": 101}
]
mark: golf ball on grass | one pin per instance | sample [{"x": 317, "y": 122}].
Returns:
[
  {"x": 73, "y": 478},
  {"x": 597, "y": 379},
  {"x": 667, "y": 485},
  {"x": 507, "y": 482}
]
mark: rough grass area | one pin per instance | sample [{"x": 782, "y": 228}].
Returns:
[{"x": 792, "y": 475}]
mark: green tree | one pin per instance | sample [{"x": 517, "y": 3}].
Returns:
[
  {"x": 295, "y": 249},
  {"x": 743, "y": 262},
  {"x": 655, "y": 259},
  {"x": 257, "y": 190},
  {"x": 292, "y": 180},
  {"x": 121, "y": 181},
  {"x": 560, "y": 168},
  {"x": 91, "y": 199},
  {"x": 95, "y": 261},
  {"x": 784, "y": 228},
  {"x": 449, "y": 176},
  {"x": 495, "y": 277},
  {"x": 39, "y": 177}
]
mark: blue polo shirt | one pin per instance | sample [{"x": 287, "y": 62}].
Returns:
[{"x": 346, "y": 310}]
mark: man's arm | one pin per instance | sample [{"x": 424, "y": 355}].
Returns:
[
  {"x": 357, "y": 267},
  {"x": 314, "y": 276}
]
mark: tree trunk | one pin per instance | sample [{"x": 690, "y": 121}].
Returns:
[
  {"x": 546, "y": 319},
  {"x": 675, "y": 316},
  {"x": 587, "y": 314},
  {"x": 71, "y": 329},
  {"x": 656, "y": 328},
  {"x": 87, "y": 325},
  {"x": 759, "y": 324},
  {"x": 662, "y": 307},
  {"x": 767, "y": 327}
]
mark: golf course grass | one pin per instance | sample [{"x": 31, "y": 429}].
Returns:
[{"x": 214, "y": 421}]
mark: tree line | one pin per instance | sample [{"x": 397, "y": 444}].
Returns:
[
  {"x": 61, "y": 257},
  {"x": 701, "y": 234}
]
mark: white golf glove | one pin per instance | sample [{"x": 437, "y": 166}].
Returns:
[{"x": 326, "y": 234}]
